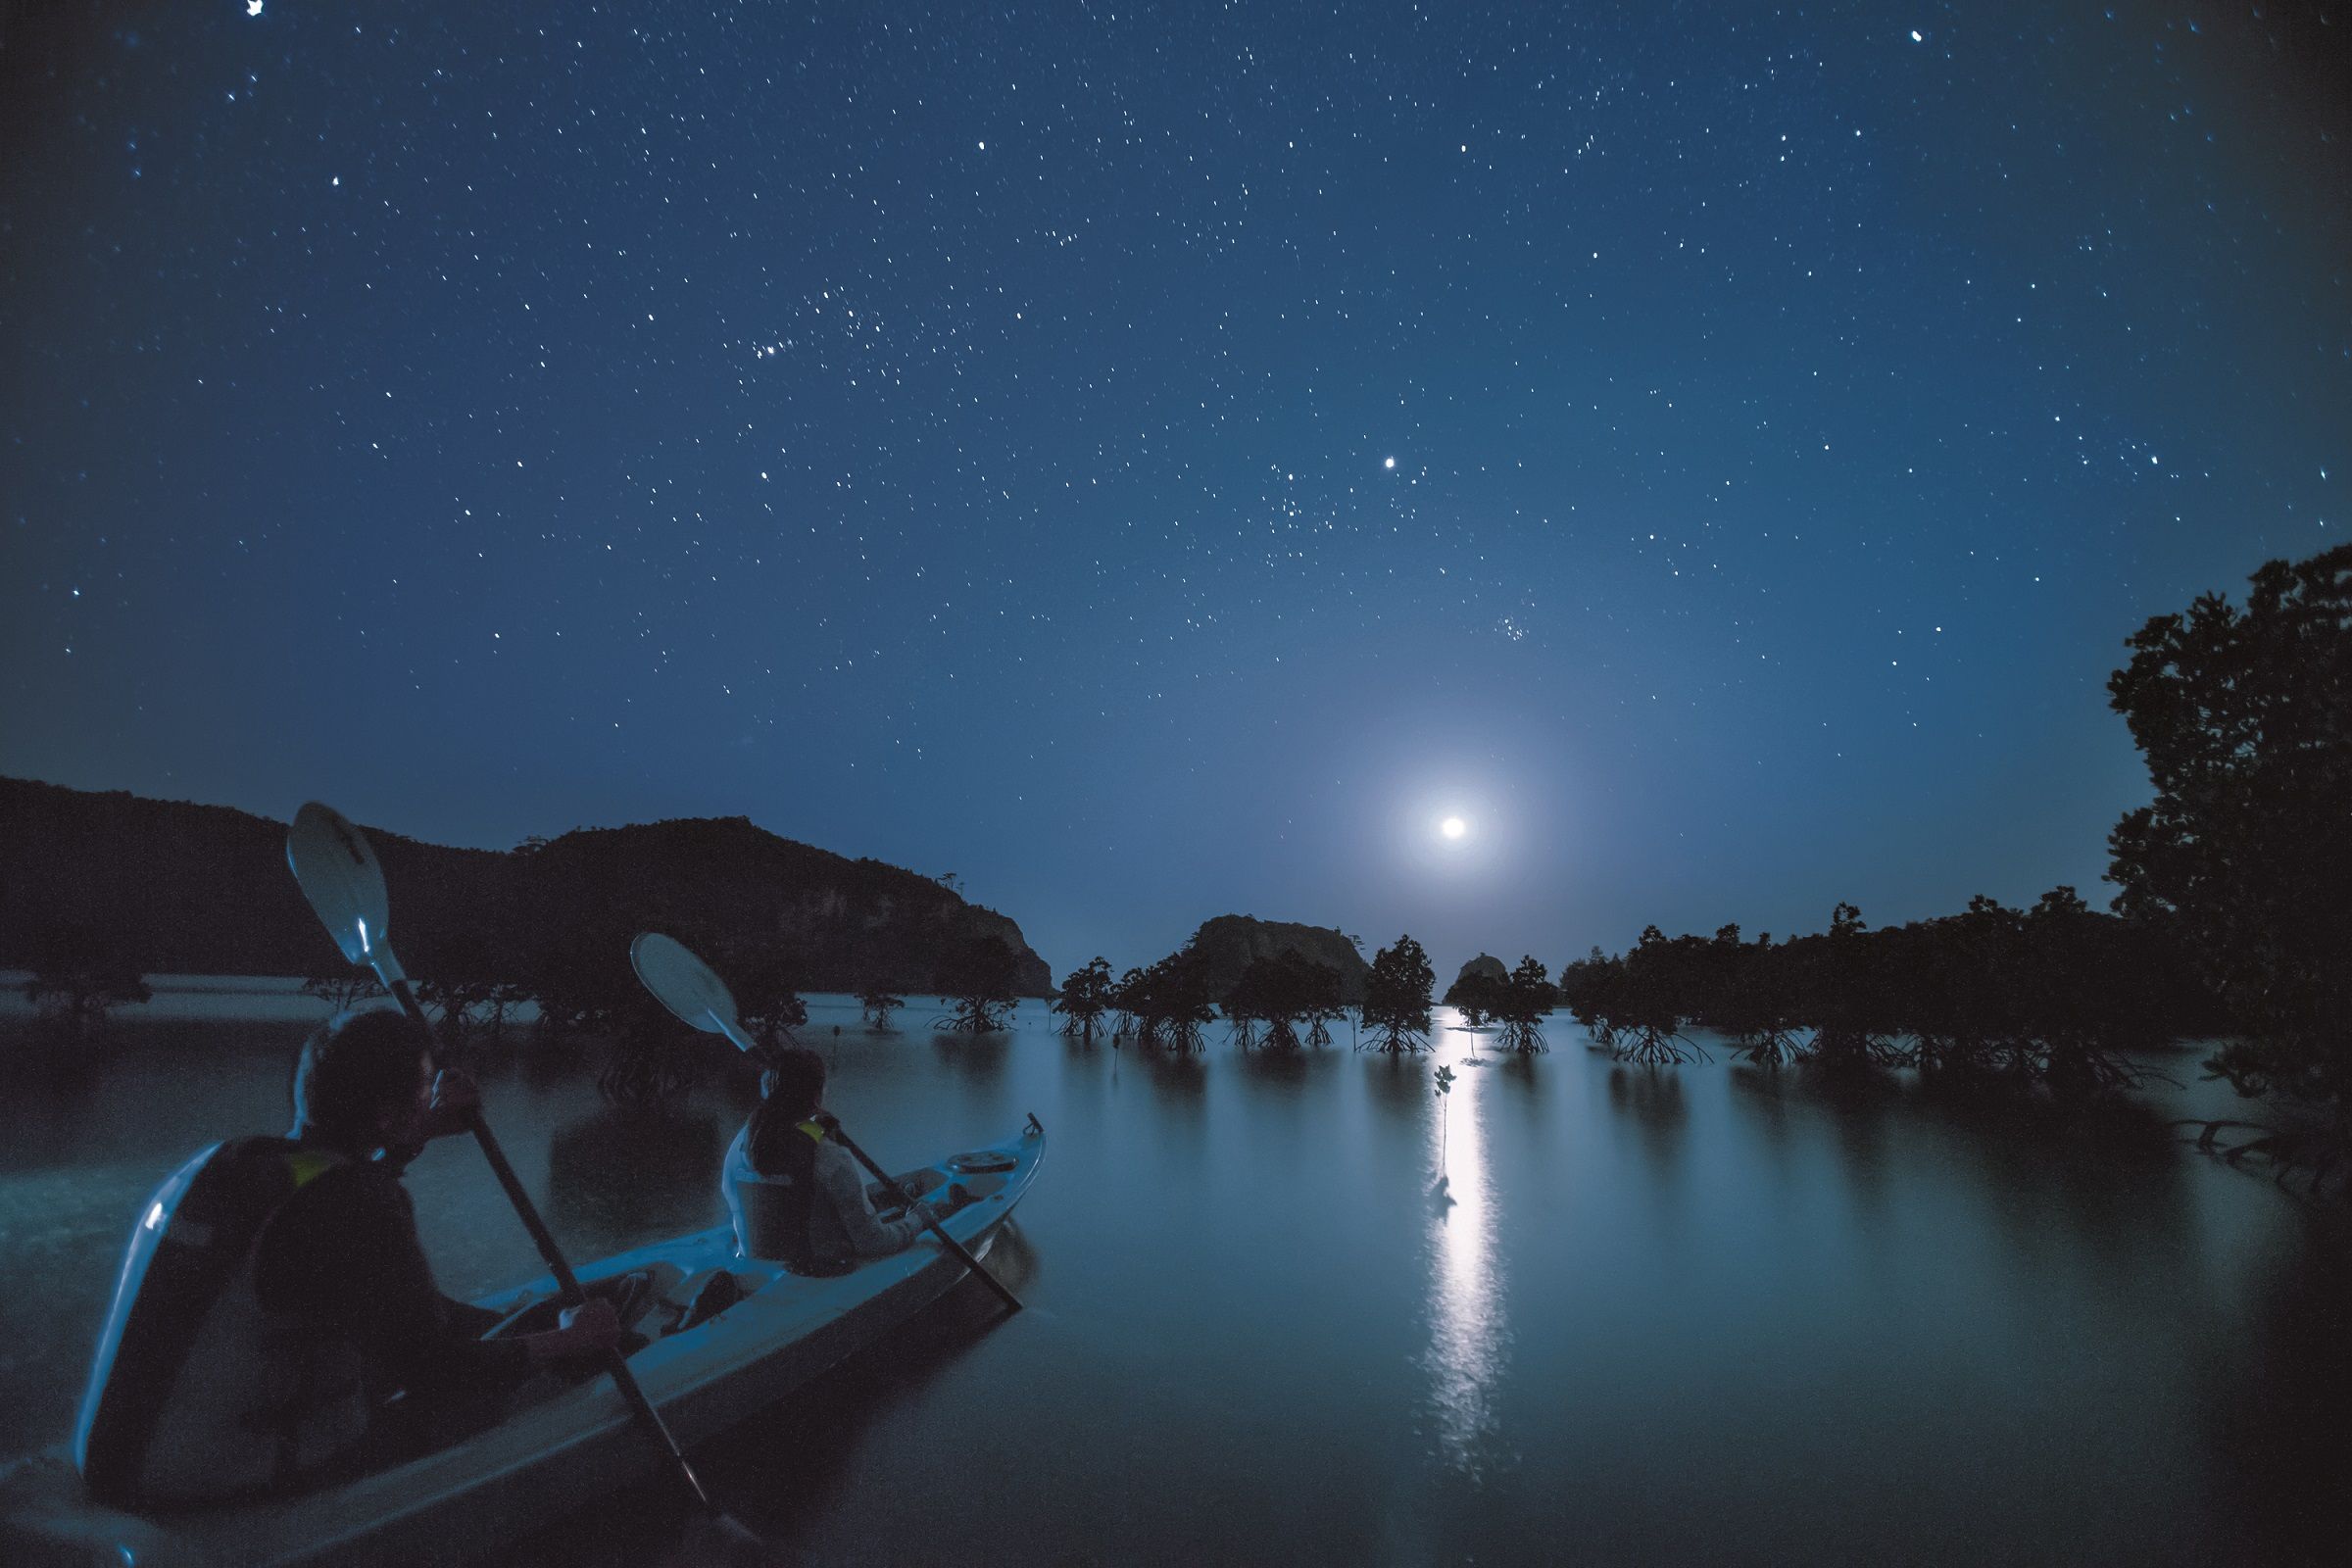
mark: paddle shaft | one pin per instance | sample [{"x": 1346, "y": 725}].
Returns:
[
  {"x": 568, "y": 1284},
  {"x": 833, "y": 1131}
]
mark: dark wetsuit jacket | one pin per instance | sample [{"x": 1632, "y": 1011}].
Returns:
[{"x": 344, "y": 1254}]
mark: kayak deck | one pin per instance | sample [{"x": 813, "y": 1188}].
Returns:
[{"x": 565, "y": 1444}]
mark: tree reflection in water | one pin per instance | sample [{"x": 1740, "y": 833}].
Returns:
[
  {"x": 1179, "y": 1078},
  {"x": 628, "y": 1174},
  {"x": 2278, "y": 1426},
  {"x": 1655, "y": 1097},
  {"x": 980, "y": 1055}
]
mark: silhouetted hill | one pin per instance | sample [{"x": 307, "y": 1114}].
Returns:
[
  {"x": 844, "y": 923},
  {"x": 205, "y": 889},
  {"x": 1485, "y": 965},
  {"x": 1228, "y": 944}
]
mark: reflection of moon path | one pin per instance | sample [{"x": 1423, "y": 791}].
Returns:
[{"x": 1467, "y": 1331}]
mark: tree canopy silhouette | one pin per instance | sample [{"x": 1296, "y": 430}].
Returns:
[
  {"x": 2056, "y": 995},
  {"x": 1479, "y": 991},
  {"x": 2245, "y": 719},
  {"x": 1395, "y": 1005},
  {"x": 1282, "y": 993},
  {"x": 1168, "y": 1002},
  {"x": 1085, "y": 996},
  {"x": 1521, "y": 1004}
]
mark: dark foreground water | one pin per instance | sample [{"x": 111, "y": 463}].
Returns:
[{"x": 1705, "y": 1314}]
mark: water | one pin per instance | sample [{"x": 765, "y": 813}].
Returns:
[{"x": 1699, "y": 1314}]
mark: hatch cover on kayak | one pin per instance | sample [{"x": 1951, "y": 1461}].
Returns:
[{"x": 980, "y": 1160}]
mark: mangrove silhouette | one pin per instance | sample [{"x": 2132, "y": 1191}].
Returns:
[
  {"x": 1519, "y": 999},
  {"x": 1165, "y": 1004},
  {"x": 875, "y": 1004},
  {"x": 1474, "y": 990},
  {"x": 1275, "y": 998},
  {"x": 2244, "y": 717},
  {"x": 1395, "y": 1005},
  {"x": 1085, "y": 996},
  {"x": 2056, "y": 995},
  {"x": 79, "y": 972},
  {"x": 978, "y": 978},
  {"x": 1272, "y": 982}
]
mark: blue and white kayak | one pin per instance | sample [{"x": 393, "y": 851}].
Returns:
[{"x": 572, "y": 1448}]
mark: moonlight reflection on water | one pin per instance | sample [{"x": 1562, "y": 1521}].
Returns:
[
  {"x": 1653, "y": 1312},
  {"x": 1468, "y": 1333}
]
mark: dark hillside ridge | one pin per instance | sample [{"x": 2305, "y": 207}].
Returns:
[
  {"x": 1230, "y": 942},
  {"x": 179, "y": 888}
]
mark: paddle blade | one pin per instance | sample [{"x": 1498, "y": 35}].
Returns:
[
  {"x": 337, "y": 873},
  {"x": 682, "y": 982},
  {"x": 714, "y": 1540}
]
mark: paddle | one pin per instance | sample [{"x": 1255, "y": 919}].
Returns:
[
  {"x": 338, "y": 873},
  {"x": 691, "y": 988}
]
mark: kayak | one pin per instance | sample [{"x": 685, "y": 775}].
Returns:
[{"x": 751, "y": 1342}]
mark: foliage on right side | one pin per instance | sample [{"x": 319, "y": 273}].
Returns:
[{"x": 2245, "y": 719}]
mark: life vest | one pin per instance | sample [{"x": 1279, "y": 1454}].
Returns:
[
  {"x": 196, "y": 1392},
  {"x": 781, "y": 1217}
]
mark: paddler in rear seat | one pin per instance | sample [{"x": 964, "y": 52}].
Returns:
[
  {"x": 276, "y": 1315},
  {"x": 797, "y": 1196}
]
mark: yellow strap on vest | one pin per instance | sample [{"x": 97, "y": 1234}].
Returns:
[
  {"x": 817, "y": 1133},
  {"x": 308, "y": 1165}
]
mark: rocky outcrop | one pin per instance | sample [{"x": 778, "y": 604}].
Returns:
[
  {"x": 177, "y": 888},
  {"x": 1481, "y": 984},
  {"x": 1486, "y": 966},
  {"x": 1229, "y": 943}
]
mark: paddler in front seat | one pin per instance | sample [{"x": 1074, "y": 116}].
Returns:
[
  {"x": 797, "y": 1196},
  {"x": 276, "y": 1316}
]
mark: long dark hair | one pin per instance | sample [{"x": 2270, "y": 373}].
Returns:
[{"x": 793, "y": 1083}]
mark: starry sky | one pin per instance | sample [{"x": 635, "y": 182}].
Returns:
[{"x": 1159, "y": 462}]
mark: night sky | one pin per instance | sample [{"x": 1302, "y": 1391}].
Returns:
[{"x": 1160, "y": 464}]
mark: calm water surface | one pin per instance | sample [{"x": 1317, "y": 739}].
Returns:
[{"x": 1698, "y": 1314}]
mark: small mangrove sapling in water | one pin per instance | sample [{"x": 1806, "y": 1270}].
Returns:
[
  {"x": 878, "y": 1004},
  {"x": 1444, "y": 1099}
]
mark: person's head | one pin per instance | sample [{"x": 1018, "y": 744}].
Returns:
[
  {"x": 794, "y": 1080},
  {"x": 363, "y": 1081}
]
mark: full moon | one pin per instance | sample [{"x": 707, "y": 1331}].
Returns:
[{"x": 1453, "y": 827}]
